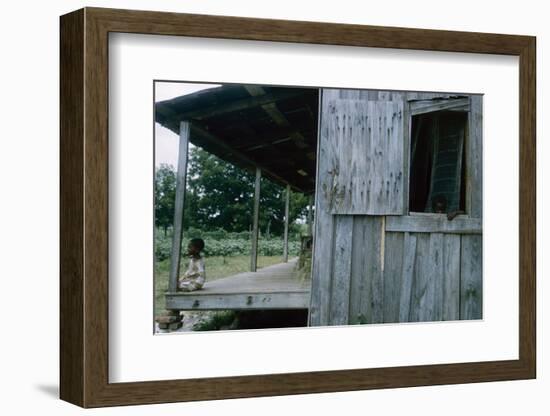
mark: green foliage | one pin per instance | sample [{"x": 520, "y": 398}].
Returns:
[
  {"x": 219, "y": 234},
  {"x": 228, "y": 245},
  {"x": 243, "y": 247},
  {"x": 219, "y": 198},
  {"x": 216, "y": 321},
  {"x": 219, "y": 194},
  {"x": 163, "y": 246},
  {"x": 165, "y": 193},
  {"x": 218, "y": 208}
]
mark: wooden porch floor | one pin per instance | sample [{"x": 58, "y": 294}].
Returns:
[{"x": 272, "y": 287}]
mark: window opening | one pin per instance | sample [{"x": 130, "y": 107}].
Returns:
[{"x": 438, "y": 171}]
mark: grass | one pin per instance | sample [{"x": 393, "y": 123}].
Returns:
[{"x": 216, "y": 268}]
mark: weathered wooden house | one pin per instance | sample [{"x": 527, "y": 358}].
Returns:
[{"x": 397, "y": 184}]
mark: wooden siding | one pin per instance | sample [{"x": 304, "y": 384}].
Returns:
[
  {"x": 474, "y": 156},
  {"x": 421, "y": 277},
  {"x": 394, "y": 268},
  {"x": 426, "y": 106},
  {"x": 366, "y": 163},
  {"x": 471, "y": 279},
  {"x": 434, "y": 223}
]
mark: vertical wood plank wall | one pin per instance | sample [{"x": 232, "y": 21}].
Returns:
[
  {"x": 364, "y": 273},
  {"x": 366, "y": 161}
]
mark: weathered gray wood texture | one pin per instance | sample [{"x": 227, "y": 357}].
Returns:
[
  {"x": 426, "y": 106},
  {"x": 255, "y": 220},
  {"x": 366, "y": 162},
  {"x": 272, "y": 287},
  {"x": 181, "y": 178},
  {"x": 285, "y": 238},
  {"x": 370, "y": 268},
  {"x": 434, "y": 223},
  {"x": 474, "y": 156}
]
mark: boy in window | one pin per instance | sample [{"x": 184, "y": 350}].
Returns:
[{"x": 439, "y": 205}]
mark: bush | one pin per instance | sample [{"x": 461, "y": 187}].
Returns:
[
  {"x": 234, "y": 247},
  {"x": 163, "y": 246},
  {"x": 215, "y": 321},
  {"x": 232, "y": 244}
]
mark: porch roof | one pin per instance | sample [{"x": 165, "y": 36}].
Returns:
[{"x": 273, "y": 128}]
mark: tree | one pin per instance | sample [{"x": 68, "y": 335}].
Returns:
[
  {"x": 165, "y": 193},
  {"x": 220, "y": 195}
]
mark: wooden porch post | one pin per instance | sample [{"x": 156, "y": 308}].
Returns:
[
  {"x": 287, "y": 204},
  {"x": 310, "y": 216},
  {"x": 255, "y": 219},
  {"x": 177, "y": 231}
]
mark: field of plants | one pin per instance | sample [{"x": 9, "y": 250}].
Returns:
[{"x": 221, "y": 243}]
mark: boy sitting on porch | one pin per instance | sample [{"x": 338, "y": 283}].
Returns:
[{"x": 194, "y": 277}]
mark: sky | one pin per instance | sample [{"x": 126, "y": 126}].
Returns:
[{"x": 166, "y": 141}]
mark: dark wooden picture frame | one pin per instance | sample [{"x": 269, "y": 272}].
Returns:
[{"x": 84, "y": 207}]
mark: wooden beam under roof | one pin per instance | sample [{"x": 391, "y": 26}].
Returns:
[
  {"x": 208, "y": 137},
  {"x": 274, "y": 136},
  {"x": 277, "y": 116},
  {"x": 232, "y": 106},
  {"x": 260, "y": 144},
  {"x": 203, "y": 138}
]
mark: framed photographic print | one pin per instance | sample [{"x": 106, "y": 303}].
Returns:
[{"x": 313, "y": 207}]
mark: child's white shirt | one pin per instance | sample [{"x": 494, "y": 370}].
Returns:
[{"x": 195, "y": 270}]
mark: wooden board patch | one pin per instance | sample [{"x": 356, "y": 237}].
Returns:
[{"x": 366, "y": 151}]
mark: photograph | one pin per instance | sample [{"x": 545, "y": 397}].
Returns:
[
  {"x": 318, "y": 204},
  {"x": 291, "y": 206}
]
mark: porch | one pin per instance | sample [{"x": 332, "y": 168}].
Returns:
[{"x": 272, "y": 287}]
